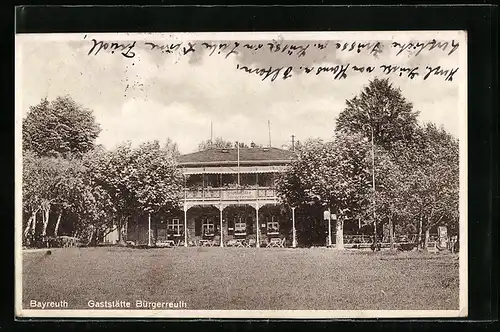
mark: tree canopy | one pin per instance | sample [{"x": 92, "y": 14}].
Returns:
[
  {"x": 59, "y": 127},
  {"x": 382, "y": 108}
]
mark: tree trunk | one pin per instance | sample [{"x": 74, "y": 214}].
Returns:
[
  {"x": 119, "y": 230},
  {"x": 46, "y": 214},
  {"x": 426, "y": 241},
  {"x": 391, "y": 233},
  {"x": 33, "y": 222},
  {"x": 126, "y": 230},
  {"x": 339, "y": 236},
  {"x": 29, "y": 224},
  {"x": 58, "y": 223},
  {"x": 89, "y": 241},
  {"x": 121, "y": 221},
  {"x": 420, "y": 233}
]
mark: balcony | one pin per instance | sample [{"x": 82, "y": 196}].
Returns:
[{"x": 230, "y": 194}]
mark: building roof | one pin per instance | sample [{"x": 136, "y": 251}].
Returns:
[{"x": 248, "y": 156}]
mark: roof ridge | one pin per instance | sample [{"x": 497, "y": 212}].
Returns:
[{"x": 271, "y": 154}]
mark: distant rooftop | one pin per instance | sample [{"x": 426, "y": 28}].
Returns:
[{"x": 230, "y": 156}]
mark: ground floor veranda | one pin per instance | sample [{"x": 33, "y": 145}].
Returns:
[
  {"x": 239, "y": 225},
  {"x": 249, "y": 225}
]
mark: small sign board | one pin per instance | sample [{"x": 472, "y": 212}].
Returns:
[{"x": 443, "y": 232}]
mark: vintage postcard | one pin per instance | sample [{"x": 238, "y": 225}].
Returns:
[{"x": 241, "y": 175}]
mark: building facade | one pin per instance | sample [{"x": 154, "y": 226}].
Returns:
[{"x": 229, "y": 199}]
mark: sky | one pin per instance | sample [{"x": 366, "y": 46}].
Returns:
[{"x": 156, "y": 96}]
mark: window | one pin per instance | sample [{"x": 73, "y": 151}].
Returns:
[
  {"x": 208, "y": 227},
  {"x": 175, "y": 227},
  {"x": 273, "y": 226},
  {"x": 240, "y": 227}
]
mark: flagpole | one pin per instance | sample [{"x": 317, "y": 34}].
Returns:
[{"x": 238, "y": 149}]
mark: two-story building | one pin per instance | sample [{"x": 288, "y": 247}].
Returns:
[{"x": 229, "y": 199}]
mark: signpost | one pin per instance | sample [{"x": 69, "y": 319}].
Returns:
[
  {"x": 443, "y": 236},
  {"x": 149, "y": 230}
]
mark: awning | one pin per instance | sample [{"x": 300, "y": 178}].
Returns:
[{"x": 232, "y": 169}]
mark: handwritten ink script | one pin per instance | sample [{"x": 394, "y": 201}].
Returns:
[
  {"x": 298, "y": 50},
  {"x": 340, "y": 72}
]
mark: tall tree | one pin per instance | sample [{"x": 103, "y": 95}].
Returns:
[
  {"x": 59, "y": 128},
  {"x": 380, "y": 109}
]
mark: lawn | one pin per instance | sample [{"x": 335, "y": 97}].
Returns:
[{"x": 244, "y": 278}]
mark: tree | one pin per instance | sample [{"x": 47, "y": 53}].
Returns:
[
  {"x": 112, "y": 170},
  {"x": 41, "y": 179},
  {"x": 157, "y": 182},
  {"x": 391, "y": 204},
  {"x": 61, "y": 188},
  {"x": 218, "y": 143},
  {"x": 432, "y": 176},
  {"x": 382, "y": 108},
  {"x": 83, "y": 201},
  {"x": 330, "y": 175},
  {"x": 59, "y": 128},
  {"x": 140, "y": 180},
  {"x": 240, "y": 144}
]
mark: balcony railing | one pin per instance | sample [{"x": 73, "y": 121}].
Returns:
[{"x": 228, "y": 194}]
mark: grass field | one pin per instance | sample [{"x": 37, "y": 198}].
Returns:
[{"x": 244, "y": 278}]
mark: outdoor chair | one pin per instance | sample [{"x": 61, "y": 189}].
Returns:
[
  {"x": 283, "y": 240},
  {"x": 275, "y": 243}
]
